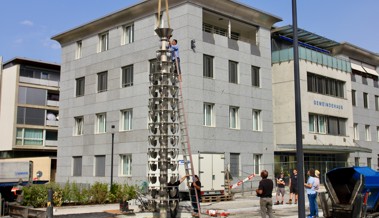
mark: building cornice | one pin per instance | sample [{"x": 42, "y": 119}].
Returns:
[
  {"x": 357, "y": 53},
  {"x": 148, "y": 7}
]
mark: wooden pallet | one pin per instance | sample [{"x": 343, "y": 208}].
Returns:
[{"x": 216, "y": 198}]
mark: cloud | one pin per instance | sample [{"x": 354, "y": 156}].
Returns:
[{"x": 27, "y": 23}]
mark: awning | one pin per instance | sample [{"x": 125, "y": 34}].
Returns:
[
  {"x": 324, "y": 148},
  {"x": 357, "y": 67},
  {"x": 370, "y": 71}
]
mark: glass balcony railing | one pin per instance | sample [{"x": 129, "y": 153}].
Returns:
[{"x": 312, "y": 56}]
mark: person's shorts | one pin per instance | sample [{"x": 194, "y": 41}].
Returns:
[
  {"x": 280, "y": 191},
  {"x": 293, "y": 190}
]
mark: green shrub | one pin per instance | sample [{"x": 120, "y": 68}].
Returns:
[
  {"x": 35, "y": 195},
  {"x": 98, "y": 193}
]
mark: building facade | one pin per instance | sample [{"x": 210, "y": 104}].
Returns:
[
  {"x": 225, "y": 54},
  {"x": 331, "y": 119},
  {"x": 29, "y": 109}
]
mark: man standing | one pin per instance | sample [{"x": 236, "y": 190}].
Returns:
[
  {"x": 293, "y": 187},
  {"x": 310, "y": 187},
  {"x": 264, "y": 191},
  {"x": 280, "y": 191}
]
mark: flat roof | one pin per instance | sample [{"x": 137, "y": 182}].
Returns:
[{"x": 306, "y": 37}]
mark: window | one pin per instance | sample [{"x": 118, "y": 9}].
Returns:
[
  {"x": 79, "y": 46},
  {"x": 125, "y": 165},
  {"x": 77, "y": 166},
  {"x": 33, "y": 96},
  {"x": 126, "y": 121},
  {"x": 208, "y": 114},
  {"x": 364, "y": 79},
  {"x": 79, "y": 124},
  {"x": 233, "y": 118},
  {"x": 235, "y": 164},
  {"x": 102, "y": 81},
  {"x": 103, "y": 42},
  {"x": 29, "y": 136},
  {"x": 327, "y": 124},
  {"x": 325, "y": 85},
  {"x": 80, "y": 83},
  {"x": 100, "y": 123},
  {"x": 356, "y": 161},
  {"x": 31, "y": 116},
  {"x": 128, "y": 34},
  {"x": 233, "y": 72},
  {"x": 353, "y": 97},
  {"x": 367, "y": 131},
  {"x": 377, "y": 134},
  {"x": 369, "y": 161},
  {"x": 257, "y": 163},
  {"x": 100, "y": 165},
  {"x": 208, "y": 66},
  {"x": 255, "y": 78},
  {"x": 376, "y": 103},
  {"x": 356, "y": 131},
  {"x": 127, "y": 76},
  {"x": 365, "y": 100},
  {"x": 257, "y": 122}
]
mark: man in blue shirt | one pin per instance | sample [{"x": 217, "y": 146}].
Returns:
[
  {"x": 311, "y": 188},
  {"x": 174, "y": 47}
]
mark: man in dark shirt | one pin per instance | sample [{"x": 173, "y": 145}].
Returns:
[
  {"x": 264, "y": 191},
  {"x": 195, "y": 189},
  {"x": 173, "y": 190},
  {"x": 293, "y": 187}
]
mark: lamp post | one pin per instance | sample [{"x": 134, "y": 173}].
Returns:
[{"x": 112, "y": 131}]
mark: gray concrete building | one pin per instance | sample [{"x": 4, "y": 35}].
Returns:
[{"x": 227, "y": 88}]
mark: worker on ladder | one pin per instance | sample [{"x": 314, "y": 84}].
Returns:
[
  {"x": 195, "y": 195},
  {"x": 174, "y": 48}
]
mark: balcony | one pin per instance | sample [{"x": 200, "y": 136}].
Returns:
[
  {"x": 42, "y": 82},
  {"x": 51, "y": 143},
  {"x": 52, "y": 103},
  {"x": 312, "y": 56},
  {"x": 52, "y": 122}
]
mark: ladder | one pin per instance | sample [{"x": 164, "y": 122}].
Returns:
[{"x": 185, "y": 141}]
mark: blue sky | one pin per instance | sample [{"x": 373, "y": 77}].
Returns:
[{"x": 28, "y": 25}]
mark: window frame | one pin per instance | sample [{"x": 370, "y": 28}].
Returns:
[
  {"x": 367, "y": 133},
  {"x": 127, "y": 76},
  {"x": 208, "y": 66},
  {"x": 255, "y": 76},
  {"x": 80, "y": 86},
  {"x": 79, "y": 49},
  {"x": 256, "y": 120},
  {"x": 354, "y": 97},
  {"x": 365, "y": 100},
  {"x": 99, "y": 166},
  {"x": 102, "y": 81},
  {"x": 77, "y": 170},
  {"x": 233, "y": 72},
  {"x": 234, "y": 113},
  {"x": 257, "y": 160},
  {"x": 79, "y": 126},
  {"x": 129, "y": 158},
  {"x": 99, "y": 118},
  {"x": 127, "y": 113},
  {"x": 235, "y": 166},
  {"x": 104, "y": 41},
  {"x": 208, "y": 107},
  {"x": 356, "y": 131},
  {"x": 127, "y": 34}
]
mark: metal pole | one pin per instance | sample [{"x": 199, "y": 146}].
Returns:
[
  {"x": 112, "y": 161},
  {"x": 49, "y": 209},
  {"x": 299, "y": 131}
]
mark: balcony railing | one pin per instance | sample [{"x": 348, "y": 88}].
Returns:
[
  {"x": 286, "y": 55},
  {"x": 42, "y": 82}
]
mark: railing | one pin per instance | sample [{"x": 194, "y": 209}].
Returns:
[{"x": 286, "y": 55}]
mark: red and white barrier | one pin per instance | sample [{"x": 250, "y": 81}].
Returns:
[{"x": 250, "y": 177}]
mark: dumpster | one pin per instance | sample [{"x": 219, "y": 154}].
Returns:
[{"x": 353, "y": 191}]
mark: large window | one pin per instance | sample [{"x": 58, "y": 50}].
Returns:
[
  {"x": 29, "y": 136},
  {"x": 103, "y": 42},
  {"x": 367, "y": 133},
  {"x": 208, "y": 114},
  {"x": 233, "y": 72},
  {"x": 128, "y": 34},
  {"x": 354, "y": 97},
  {"x": 257, "y": 163},
  {"x": 32, "y": 96},
  {"x": 102, "y": 81},
  {"x": 127, "y": 76},
  {"x": 233, "y": 118},
  {"x": 77, "y": 166},
  {"x": 126, "y": 119},
  {"x": 327, "y": 125},
  {"x": 325, "y": 85},
  {"x": 125, "y": 165},
  {"x": 208, "y": 66},
  {"x": 100, "y": 123},
  {"x": 31, "y": 116},
  {"x": 79, "y": 124},
  {"x": 235, "y": 164},
  {"x": 100, "y": 165},
  {"x": 79, "y": 46},
  {"x": 257, "y": 122},
  {"x": 39, "y": 73},
  {"x": 80, "y": 83},
  {"x": 255, "y": 77},
  {"x": 365, "y": 100}
]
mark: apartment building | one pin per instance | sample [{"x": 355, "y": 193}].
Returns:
[
  {"x": 225, "y": 54},
  {"x": 29, "y": 111},
  {"x": 365, "y": 101},
  {"x": 331, "y": 120}
]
